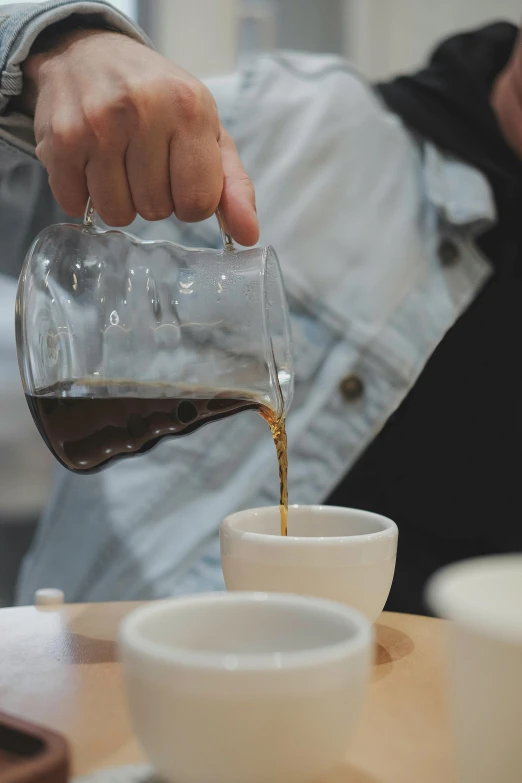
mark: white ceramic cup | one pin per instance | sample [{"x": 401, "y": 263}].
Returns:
[
  {"x": 245, "y": 687},
  {"x": 337, "y": 553},
  {"x": 483, "y": 598}
]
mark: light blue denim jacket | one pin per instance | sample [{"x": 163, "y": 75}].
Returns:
[{"x": 357, "y": 209}]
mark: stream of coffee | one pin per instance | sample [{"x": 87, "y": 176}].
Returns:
[
  {"x": 89, "y": 424},
  {"x": 277, "y": 427}
]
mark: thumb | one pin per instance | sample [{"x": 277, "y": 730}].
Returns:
[{"x": 238, "y": 203}]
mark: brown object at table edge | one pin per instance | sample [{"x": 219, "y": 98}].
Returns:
[{"x": 30, "y": 753}]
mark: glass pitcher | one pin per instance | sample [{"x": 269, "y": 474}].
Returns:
[{"x": 122, "y": 342}]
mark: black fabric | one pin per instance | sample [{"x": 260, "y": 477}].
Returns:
[
  {"x": 448, "y": 102},
  {"x": 447, "y": 466}
]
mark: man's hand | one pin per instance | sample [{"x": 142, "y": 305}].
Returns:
[{"x": 116, "y": 121}]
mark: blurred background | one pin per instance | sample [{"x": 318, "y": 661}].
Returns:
[
  {"x": 209, "y": 37},
  {"x": 382, "y": 37}
]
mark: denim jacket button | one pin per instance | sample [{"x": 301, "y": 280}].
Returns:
[
  {"x": 351, "y": 387},
  {"x": 448, "y": 252}
]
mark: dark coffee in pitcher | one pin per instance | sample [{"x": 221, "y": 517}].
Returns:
[{"x": 88, "y": 424}]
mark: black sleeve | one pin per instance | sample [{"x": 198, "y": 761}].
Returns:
[{"x": 448, "y": 102}]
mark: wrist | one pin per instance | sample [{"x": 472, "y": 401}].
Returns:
[{"x": 54, "y": 42}]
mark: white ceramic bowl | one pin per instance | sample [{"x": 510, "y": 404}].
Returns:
[
  {"x": 245, "y": 687},
  {"x": 337, "y": 553},
  {"x": 483, "y": 599}
]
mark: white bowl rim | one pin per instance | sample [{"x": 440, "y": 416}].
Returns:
[
  {"x": 360, "y": 638},
  {"x": 442, "y": 598},
  {"x": 390, "y": 529}
]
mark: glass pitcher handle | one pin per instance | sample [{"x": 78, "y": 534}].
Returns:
[
  {"x": 89, "y": 214},
  {"x": 225, "y": 236}
]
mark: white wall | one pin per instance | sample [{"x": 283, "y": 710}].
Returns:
[
  {"x": 385, "y": 37},
  {"x": 382, "y": 37},
  {"x": 126, "y": 6},
  {"x": 200, "y": 35}
]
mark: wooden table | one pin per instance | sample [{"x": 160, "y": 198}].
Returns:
[{"x": 59, "y": 668}]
